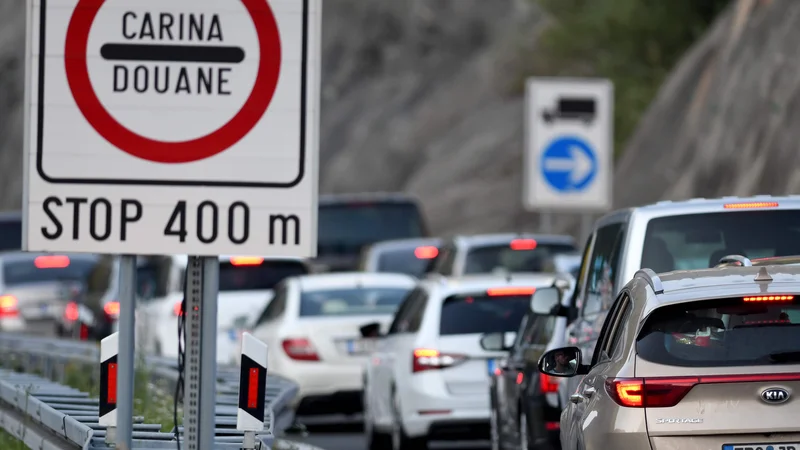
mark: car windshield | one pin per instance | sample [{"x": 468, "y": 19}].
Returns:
[
  {"x": 48, "y": 268},
  {"x": 351, "y": 302},
  {"x": 412, "y": 260},
  {"x": 486, "y": 259},
  {"x": 346, "y": 228},
  {"x": 256, "y": 276},
  {"x": 725, "y": 332},
  {"x": 483, "y": 314},
  {"x": 10, "y": 235},
  {"x": 698, "y": 241}
]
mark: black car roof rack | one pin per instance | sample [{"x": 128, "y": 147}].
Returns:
[{"x": 652, "y": 279}]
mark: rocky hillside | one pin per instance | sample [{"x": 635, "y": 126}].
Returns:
[{"x": 416, "y": 98}]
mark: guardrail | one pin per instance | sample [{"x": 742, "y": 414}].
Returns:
[{"x": 38, "y": 409}]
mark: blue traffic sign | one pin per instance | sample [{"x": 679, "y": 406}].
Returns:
[{"x": 569, "y": 164}]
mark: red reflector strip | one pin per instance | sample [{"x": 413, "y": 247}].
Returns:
[
  {"x": 550, "y": 426},
  {"x": 111, "y": 393},
  {"x": 252, "y": 388},
  {"x": 748, "y": 205},
  {"x": 502, "y": 291},
  {"x": 770, "y": 298}
]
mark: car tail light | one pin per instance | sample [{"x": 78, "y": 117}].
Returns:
[
  {"x": 84, "y": 332},
  {"x": 246, "y": 260},
  {"x": 769, "y": 298},
  {"x": 426, "y": 252},
  {"x": 177, "y": 308},
  {"x": 508, "y": 291},
  {"x": 547, "y": 383},
  {"x": 71, "y": 312},
  {"x": 8, "y": 306},
  {"x": 430, "y": 359},
  {"x": 300, "y": 349},
  {"x": 749, "y": 205},
  {"x": 111, "y": 309},
  {"x": 664, "y": 392},
  {"x": 523, "y": 244},
  {"x": 51, "y": 262}
]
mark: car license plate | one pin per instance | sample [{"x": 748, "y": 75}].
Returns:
[
  {"x": 491, "y": 365},
  {"x": 789, "y": 446},
  {"x": 359, "y": 346}
]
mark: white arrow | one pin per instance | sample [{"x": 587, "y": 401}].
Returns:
[{"x": 578, "y": 164}]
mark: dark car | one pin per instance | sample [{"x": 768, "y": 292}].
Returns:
[
  {"x": 350, "y": 222},
  {"x": 525, "y": 409},
  {"x": 408, "y": 256}
]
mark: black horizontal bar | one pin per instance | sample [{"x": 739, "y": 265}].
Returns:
[{"x": 172, "y": 53}]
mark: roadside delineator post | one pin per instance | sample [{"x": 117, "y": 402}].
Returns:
[
  {"x": 252, "y": 389},
  {"x": 109, "y": 349}
]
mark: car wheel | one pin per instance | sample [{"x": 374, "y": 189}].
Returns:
[
  {"x": 493, "y": 429},
  {"x": 523, "y": 431},
  {"x": 401, "y": 441}
]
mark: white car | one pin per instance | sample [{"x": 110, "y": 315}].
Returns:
[
  {"x": 245, "y": 289},
  {"x": 313, "y": 330},
  {"x": 429, "y": 377}
]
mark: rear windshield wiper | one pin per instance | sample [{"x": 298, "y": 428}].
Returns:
[{"x": 784, "y": 357}]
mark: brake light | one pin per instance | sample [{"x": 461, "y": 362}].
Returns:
[
  {"x": 523, "y": 244},
  {"x": 8, "y": 306},
  {"x": 111, "y": 309},
  {"x": 547, "y": 383},
  {"x": 300, "y": 349},
  {"x": 51, "y": 262},
  {"x": 246, "y": 260},
  {"x": 430, "y": 359},
  {"x": 506, "y": 291},
  {"x": 748, "y": 205},
  {"x": 770, "y": 298},
  {"x": 426, "y": 252},
  {"x": 71, "y": 312},
  {"x": 177, "y": 309}
]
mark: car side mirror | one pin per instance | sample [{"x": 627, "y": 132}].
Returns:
[
  {"x": 547, "y": 301},
  {"x": 562, "y": 362},
  {"x": 497, "y": 342},
  {"x": 371, "y": 330}
]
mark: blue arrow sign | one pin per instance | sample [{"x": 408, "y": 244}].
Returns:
[{"x": 569, "y": 164}]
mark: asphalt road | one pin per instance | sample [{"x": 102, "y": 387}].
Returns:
[{"x": 351, "y": 437}]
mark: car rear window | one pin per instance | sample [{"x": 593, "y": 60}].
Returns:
[
  {"x": 483, "y": 314},
  {"x": 48, "y": 268},
  {"x": 488, "y": 258},
  {"x": 10, "y": 235},
  {"x": 409, "y": 260},
  {"x": 725, "y": 332},
  {"x": 698, "y": 241},
  {"x": 255, "y": 276},
  {"x": 351, "y": 302},
  {"x": 345, "y": 228}
]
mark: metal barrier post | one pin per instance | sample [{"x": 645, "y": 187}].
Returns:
[{"x": 252, "y": 389}]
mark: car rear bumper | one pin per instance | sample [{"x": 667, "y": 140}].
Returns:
[
  {"x": 12, "y": 324},
  {"x": 340, "y": 402},
  {"x": 319, "y": 382}
]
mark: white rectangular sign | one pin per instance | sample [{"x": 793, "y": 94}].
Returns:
[
  {"x": 569, "y": 148},
  {"x": 181, "y": 126}
]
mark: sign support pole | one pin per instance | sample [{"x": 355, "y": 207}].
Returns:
[
  {"x": 200, "y": 369},
  {"x": 127, "y": 317}
]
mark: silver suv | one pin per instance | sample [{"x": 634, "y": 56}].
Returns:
[{"x": 666, "y": 236}]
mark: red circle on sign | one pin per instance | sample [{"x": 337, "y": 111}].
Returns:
[{"x": 77, "y": 71}]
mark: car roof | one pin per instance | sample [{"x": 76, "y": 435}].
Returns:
[
  {"x": 399, "y": 244},
  {"x": 721, "y": 282},
  {"x": 10, "y": 216},
  {"x": 382, "y": 197},
  {"x": 702, "y": 205},
  {"x": 354, "y": 279},
  {"x": 480, "y": 282},
  {"x": 478, "y": 240}
]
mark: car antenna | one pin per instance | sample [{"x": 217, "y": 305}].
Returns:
[{"x": 763, "y": 275}]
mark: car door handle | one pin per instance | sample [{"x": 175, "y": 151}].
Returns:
[
  {"x": 576, "y": 398},
  {"x": 589, "y": 392}
]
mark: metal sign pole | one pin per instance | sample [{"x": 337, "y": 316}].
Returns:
[
  {"x": 208, "y": 351},
  {"x": 127, "y": 335},
  {"x": 191, "y": 396}
]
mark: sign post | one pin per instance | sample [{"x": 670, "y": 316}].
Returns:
[
  {"x": 177, "y": 128},
  {"x": 568, "y": 146}
]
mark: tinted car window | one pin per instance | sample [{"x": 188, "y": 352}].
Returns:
[
  {"x": 257, "y": 277},
  {"x": 404, "y": 261},
  {"x": 351, "y": 302},
  {"x": 48, "y": 268},
  {"x": 698, "y": 241},
  {"x": 727, "y": 332},
  {"x": 483, "y": 314},
  {"x": 345, "y": 228},
  {"x": 10, "y": 235},
  {"x": 486, "y": 259}
]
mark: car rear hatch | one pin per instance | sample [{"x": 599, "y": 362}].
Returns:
[
  {"x": 45, "y": 300},
  {"x": 464, "y": 318},
  {"x": 337, "y": 340},
  {"x": 719, "y": 374}
]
